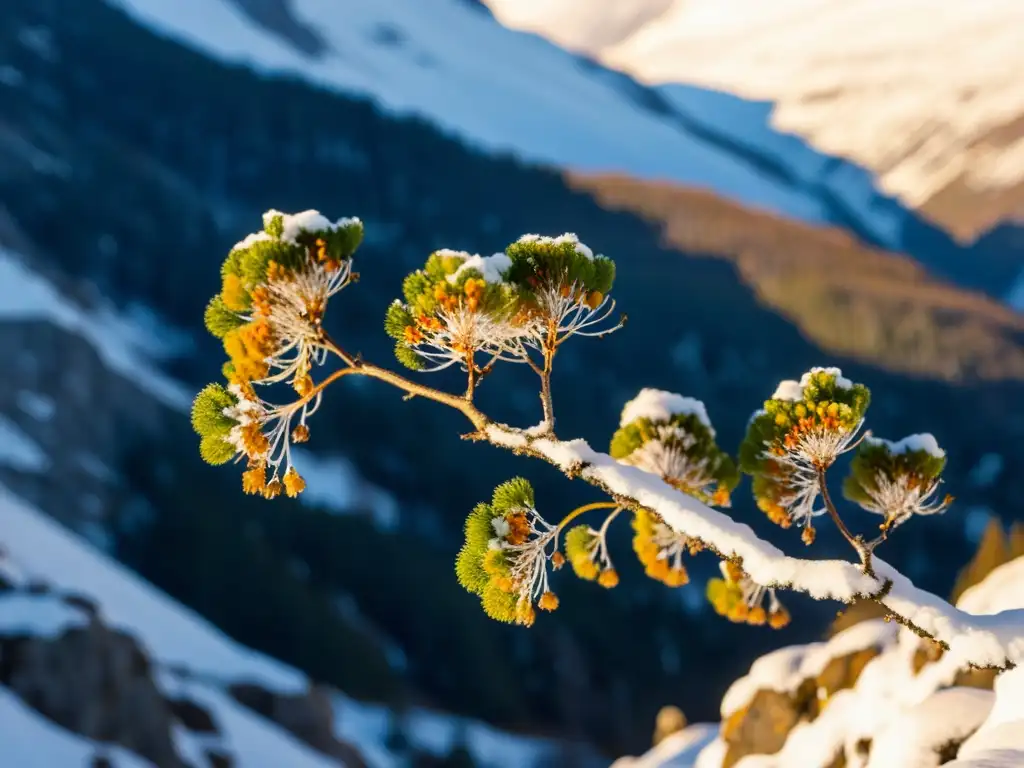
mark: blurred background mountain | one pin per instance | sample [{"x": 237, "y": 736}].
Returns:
[{"x": 806, "y": 182}]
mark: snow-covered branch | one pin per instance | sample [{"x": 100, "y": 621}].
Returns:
[{"x": 983, "y": 641}]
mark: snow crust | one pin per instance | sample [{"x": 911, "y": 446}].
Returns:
[
  {"x": 491, "y": 267},
  {"x": 659, "y": 405},
  {"x": 789, "y": 390},
  {"x": 785, "y": 669},
  {"x": 913, "y": 740},
  {"x": 906, "y": 716},
  {"x": 923, "y": 442}
]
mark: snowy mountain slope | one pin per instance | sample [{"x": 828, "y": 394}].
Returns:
[
  {"x": 926, "y": 95},
  {"x": 193, "y": 661},
  {"x": 128, "y": 349},
  {"x": 31, "y": 741},
  {"x": 502, "y": 90}
]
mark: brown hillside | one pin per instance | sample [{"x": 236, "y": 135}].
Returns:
[{"x": 875, "y": 306}]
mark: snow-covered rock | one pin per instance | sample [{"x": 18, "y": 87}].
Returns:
[{"x": 896, "y": 713}]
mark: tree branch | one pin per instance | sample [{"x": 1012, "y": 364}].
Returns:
[{"x": 984, "y": 641}]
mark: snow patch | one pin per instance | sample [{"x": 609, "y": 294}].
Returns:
[
  {"x": 659, "y": 405},
  {"x": 366, "y": 727},
  {"x": 335, "y": 483},
  {"x": 294, "y": 225},
  {"x": 841, "y": 381},
  {"x": 492, "y": 268},
  {"x": 37, "y": 615},
  {"x": 679, "y": 750},
  {"x": 924, "y": 442},
  {"x": 915, "y": 738},
  {"x": 788, "y": 390},
  {"x": 252, "y": 238},
  {"x": 37, "y": 405},
  {"x": 18, "y": 450},
  {"x": 785, "y": 669}
]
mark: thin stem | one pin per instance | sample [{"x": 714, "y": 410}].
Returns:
[
  {"x": 545, "y": 378},
  {"x": 327, "y": 341},
  {"x": 855, "y": 541},
  {"x": 586, "y": 508},
  {"x": 413, "y": 389},
  {"x": 471, "y": 376}
]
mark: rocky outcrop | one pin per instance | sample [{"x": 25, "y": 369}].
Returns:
[
  {"x": 100, "y": 683},
  {"x": 96, "y": 682},
  {"x": 762, "y": 726}
]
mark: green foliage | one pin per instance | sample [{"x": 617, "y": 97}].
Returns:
[
  {"x": 208, "y": 416},
  {"x": 824, "y": 403},
  {"x": 579, "y": 548},
  {"x": 469, "y": 565},
  {"x": 409, "y": 357},
  {"x": 215, "y": 450},
  {"x": 220, "y": 320},
  {"x": 513, "y": 495},
  {"x": 397, "y": 319},
  {"x": 561, "y": 261},
  {"x": 273, "y": 223},
  {"x": 875, "y": 460}
]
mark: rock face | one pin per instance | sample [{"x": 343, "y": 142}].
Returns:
[
  {"x": 100, "y": 683},
  {"x": 96, "y": 682}
]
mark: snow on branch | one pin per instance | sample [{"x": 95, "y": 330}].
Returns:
[{"x": 995, "y": 640}]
